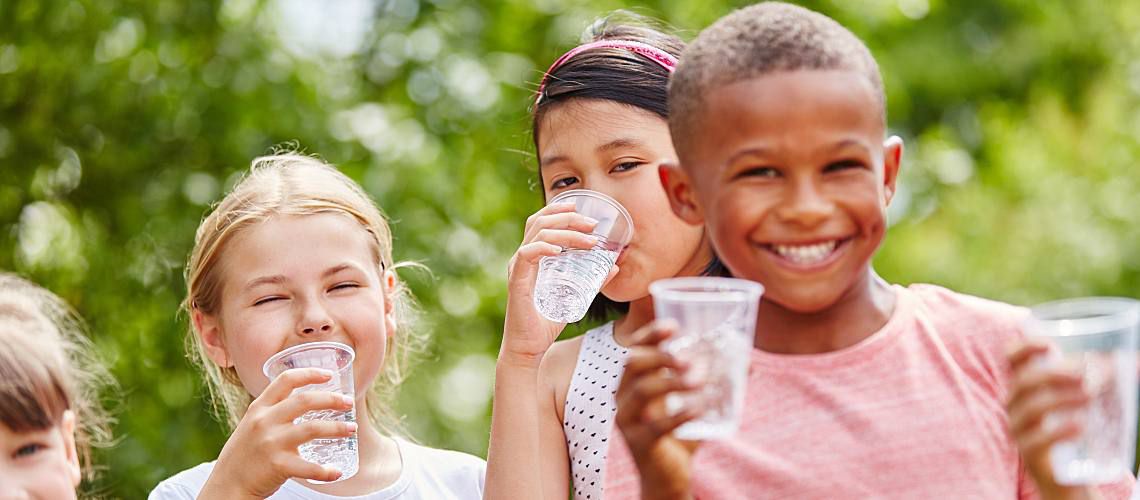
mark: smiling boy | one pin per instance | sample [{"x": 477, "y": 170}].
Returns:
[{"x": 858, "y": 388}]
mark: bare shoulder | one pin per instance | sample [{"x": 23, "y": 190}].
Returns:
[{"x": 557, "y": 369}]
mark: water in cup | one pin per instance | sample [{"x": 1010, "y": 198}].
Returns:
[
  {"x": 716, "y": 323},
  {"x": 715, "y": 358},
  {"x": 1096, "y": 337},
  {"x": 568, "y": 282},
  {"x": 339, "y": 453},
  {"x": 1099, "y": 456}
]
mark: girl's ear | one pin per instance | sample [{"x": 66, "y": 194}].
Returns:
[
  {"x": 390, "y": 294},
  {"x": 209, "y": 331},
  {"x": 679, "y": 189},
  {"x": 892, "y": 161},
  {"x": 67, "y": 432}
]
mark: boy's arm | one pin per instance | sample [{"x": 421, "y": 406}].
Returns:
[{"x": 663, "y": 462}]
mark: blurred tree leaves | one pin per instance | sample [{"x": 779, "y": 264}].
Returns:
[{"x": 120, "y": 122}]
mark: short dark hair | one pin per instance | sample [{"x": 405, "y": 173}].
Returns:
[
  {"x": 758, "y": 40},
  {"x": 617, "y": 75}
]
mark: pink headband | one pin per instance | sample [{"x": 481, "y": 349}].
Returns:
[{"x": 650, "y": 52}]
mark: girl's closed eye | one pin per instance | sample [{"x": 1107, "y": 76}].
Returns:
[
  {"x": 348, "y": 285},
  {"x": 267, "y": 300}
]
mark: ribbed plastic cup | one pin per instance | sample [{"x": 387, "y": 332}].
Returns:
[
  {"x": 1096, "y": 337},
  {"x": 568, "y": 282},
  {"x": 716, "y": 319},
  {"x": 339, "y": 453}
]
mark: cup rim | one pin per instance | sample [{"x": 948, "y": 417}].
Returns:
[
  {"x": 304, "y": 347},
  {"x": 604, "y": 197},
  {"x": 1112, "y": 313},
  {"x": 704, "y": 288}
]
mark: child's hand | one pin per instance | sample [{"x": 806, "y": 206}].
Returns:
[
  {"x": 527, "y": 334},
  {"x": 261, "y": 454},
  {"x": 1038, "y": 390},
  {"x": 650, "y": 375}
]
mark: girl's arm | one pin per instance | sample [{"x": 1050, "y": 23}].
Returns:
[{"x": 526, "y": 457}]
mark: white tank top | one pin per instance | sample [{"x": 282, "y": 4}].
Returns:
[{"x": 588, "y": 416}]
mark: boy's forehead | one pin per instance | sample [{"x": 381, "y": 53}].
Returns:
[{"x": 798, "y": 109}]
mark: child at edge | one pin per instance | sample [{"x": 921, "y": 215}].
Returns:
[
  {"x": 50, "y": 416},
  {"x": 857, "y": 388},
  {"x": 298, "y": 253}
]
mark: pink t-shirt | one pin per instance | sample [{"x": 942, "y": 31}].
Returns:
[{"x": 916, "y": 410}]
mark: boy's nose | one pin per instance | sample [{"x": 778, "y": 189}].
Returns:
[{"x": 806, "y": 207}]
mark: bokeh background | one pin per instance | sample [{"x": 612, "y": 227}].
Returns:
[{"x": 121, "y": 121}]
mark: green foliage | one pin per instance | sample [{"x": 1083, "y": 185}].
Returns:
[{"x": 120, "y": 122}]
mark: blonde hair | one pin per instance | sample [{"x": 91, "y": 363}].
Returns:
[
  {"x": 47, "y": 366},
  {"x": 292, "y": 184}
]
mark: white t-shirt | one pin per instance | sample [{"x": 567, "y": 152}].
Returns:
[{"x": 428, "y": 473}]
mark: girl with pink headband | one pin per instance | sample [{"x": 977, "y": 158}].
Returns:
[{"x": 599, "y": 123}]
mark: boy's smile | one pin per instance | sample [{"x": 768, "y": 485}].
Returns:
[{"x": 792, "y": 179}]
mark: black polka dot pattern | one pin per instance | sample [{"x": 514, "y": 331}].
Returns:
[{"x": 590, "y": 408}]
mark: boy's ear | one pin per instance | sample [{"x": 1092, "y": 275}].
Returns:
[
  {"x": 390, "y": 284},
  {"x": 892, "y": 161},
  {"x": 67, "y": 432},
  {"x": 209, "y": 331},
  {"x": 679, "y": 188}
]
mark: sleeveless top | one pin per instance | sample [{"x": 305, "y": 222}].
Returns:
[{"x": 588, "y": 416}]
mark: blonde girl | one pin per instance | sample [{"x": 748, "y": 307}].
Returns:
[{"x": 298, "y": 253}]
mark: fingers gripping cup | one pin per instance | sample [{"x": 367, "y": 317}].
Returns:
[
  {"x": 568, "y": 282},
  {"x": 1096, "y": 337},
  {"x": 339, "y": 453},
  {"x": 716, "y": 323}
]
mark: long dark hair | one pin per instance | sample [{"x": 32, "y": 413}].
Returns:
[{"x": 617, "y": 75}]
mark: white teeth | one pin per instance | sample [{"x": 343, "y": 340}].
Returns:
[{"x": 806, "y": 254}]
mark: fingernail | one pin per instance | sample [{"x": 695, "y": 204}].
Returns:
[
  {"x": 347, "y": 399},
  {"x": 351, "y": 426},
  {"x": 591, "y": 221},
  {"x": 324, "y": 373}
]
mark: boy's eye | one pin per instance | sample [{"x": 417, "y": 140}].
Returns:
[
  {"x": 764, "y": 172},
  {"x": 563, "y": 182},
  {"x": 344, "y": 286},
  {"x": 842, "y": 165},
  {"x": 29, "y": 450}
]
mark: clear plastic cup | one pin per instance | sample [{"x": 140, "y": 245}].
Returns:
[
  {"x": 339, "y": 453},
  {"x": 716, "y": 319},
  {"x": 568, "y": 282},
  {"x": 1096, "y": 337}
]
